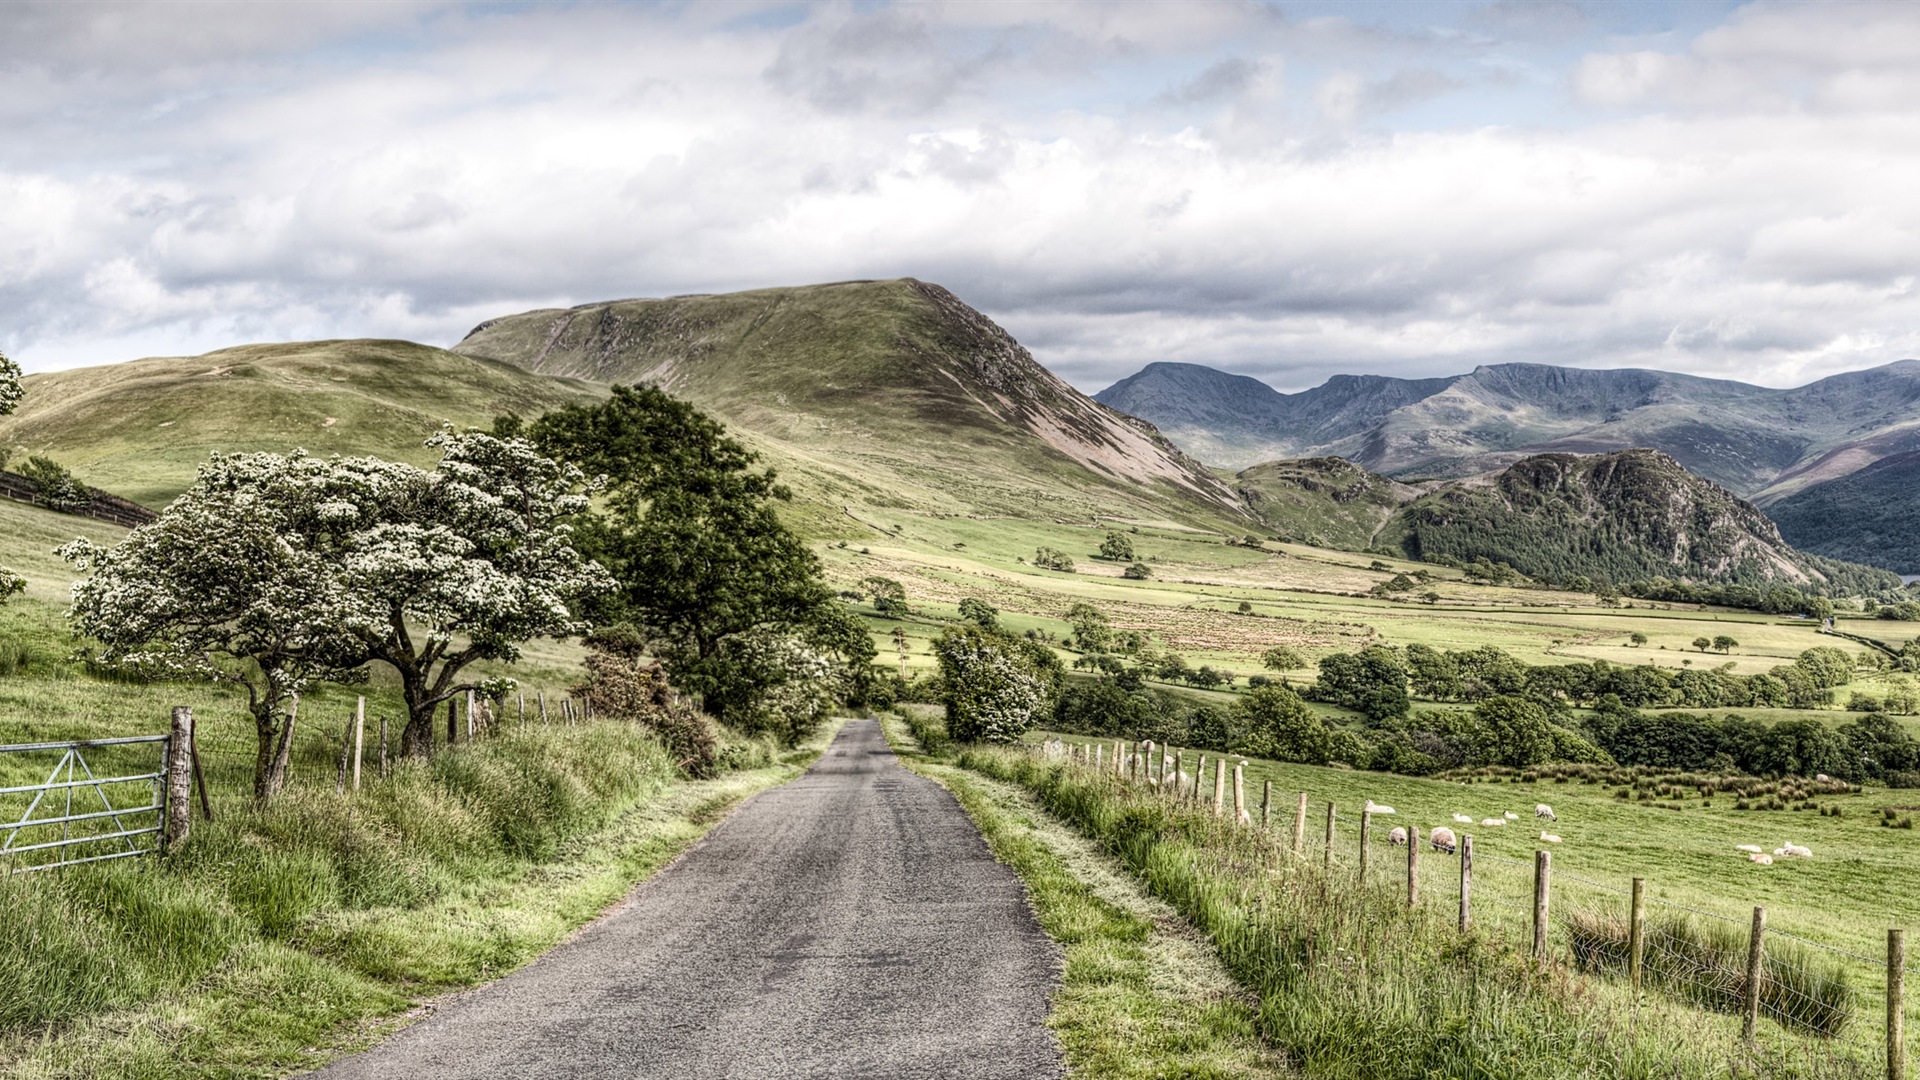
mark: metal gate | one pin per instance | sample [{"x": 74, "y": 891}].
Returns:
[{"x": 89, "y": 835}]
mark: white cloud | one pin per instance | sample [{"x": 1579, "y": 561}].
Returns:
[{"x": 1118, "y": 183}]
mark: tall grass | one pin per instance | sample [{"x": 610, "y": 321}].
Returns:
[
  {"x": 1351, "y": 984},
  {"x": 303, "y": 871}
]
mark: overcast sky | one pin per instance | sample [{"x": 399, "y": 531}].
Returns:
[{"x": 1285, "y": 190}]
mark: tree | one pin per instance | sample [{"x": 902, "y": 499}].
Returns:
[
  {"x": 1282, "y": 658},
  {"x": 994, "y": 686},
  {"x": 704, "y": 565},
  {"x": 1137, "y": 572},
  {"x": 10, "y": 389},
  {"x": 1517, "y": 731},
  {"x": 1117, "y": 547},
  {"x": 1047, "y": 558},
  {"x": 1091, "y": 630},
  {"x": 1276, "y": 724},
  {"x": 1703, "y": 644},
  {"x": 1724, "y": 643},
  {"x": 1637, "y": 638},
  {"x": 224, "y": 587},
  {"x": 980, "y": 613},
  {"x": 889, "y": 596},
  {"x": 1372, "y": 681},
  {"x": 53, "y": 486}
]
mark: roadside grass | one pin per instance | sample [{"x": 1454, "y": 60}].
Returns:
[
  {"x": 1141, "y": 994},
  {"x": 1353, "y": 984},
  {"x": 278, "y": 939}
]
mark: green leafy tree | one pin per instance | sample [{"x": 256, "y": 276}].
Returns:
[
  {"x": 1517, "y": 731},
  {"x": 54, "y": 486},
  {"x": 1091, "y": 630},
  {"x": 1282, "y": 658},
  {"x": 1275, "y": 723},
  {"x": 1048, "y": 558},
  {"x": 1372, "y": 681},
  {"x": 704, "y": 565},
  {"x": 1637, "y": 638},
  {"x": 1117, "y": 547},
  {"x": 1703, "y": 644},
  {"x": 1724, "y": 643},
  {"x": 889, "y": 596},
  {"x": 980, "y": 613},
  {"x": 1137, "y": 572}
]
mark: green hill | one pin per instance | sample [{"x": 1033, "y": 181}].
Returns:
[
  {"x": 1625, "y": 516},
  {"x": 889, "y": 394},
  {"x": 1326, "y": 502},
  {"x": 141, "y": 429},
  {"x": 1870, "y": 516}
]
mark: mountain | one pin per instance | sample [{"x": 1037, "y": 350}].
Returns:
[
  {"x": 141, "y": 429},
  {"x": 1326, "y": 502},
  {"x": 1759, "y": 442},
  {"x": 883, "y": 393},
  {"x": 1869, "y": 516},
  {"x": 1625, "y": 516}
]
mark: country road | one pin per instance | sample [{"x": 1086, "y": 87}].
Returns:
[{"x": 850, "y": 923}]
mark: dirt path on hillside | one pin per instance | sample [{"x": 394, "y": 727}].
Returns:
[{"x": 850, "y": 923}]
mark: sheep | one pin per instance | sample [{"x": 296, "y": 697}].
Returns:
[
  {"x": 1795, "y": 850},
  {"x": 1442, "y": 839},
  {"x": 1493, "y": 821},
  {"x": 1511, "y": 816},
  {"x": 1823, "y": 778},
  {"x": 1376, "y": 808},
  {"x": 1397, "y": 837},
  {"x": 1053, "y": 748},
  {"x": 1464, "y": 819},
  {"x": 1549, "y": 837},
  {"x": 1542, "y": 810},
  {"x": 1760, "y": 858},
  {"x": 1751, "y": 849}
]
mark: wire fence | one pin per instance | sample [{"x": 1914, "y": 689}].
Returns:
[{"x": 1710, "y": 963}]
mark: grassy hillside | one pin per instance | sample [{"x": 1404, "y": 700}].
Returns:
[
  {"x": 1326, "y": 502},
  {"x": 141, "y": 429},
  {"x": 883, "y": 394},
  {"x": 1871, "y": 516}
]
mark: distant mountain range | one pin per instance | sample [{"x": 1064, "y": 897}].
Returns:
[{"x": 1763, "y": 444}]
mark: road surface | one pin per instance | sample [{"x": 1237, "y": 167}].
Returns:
[{"x": 850, "y": 923}]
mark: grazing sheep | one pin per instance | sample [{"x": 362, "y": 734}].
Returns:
[
  {"x": 1464, "y": 819},
  {"x": 1751, "y": 849},
  {"x": 1511, "y": 816},
  {"x": 1397, "y": 837},
  {"x": 1442, "y": 839},
  {"x": 1761, "y": 858},
  {"x": 1549, "y": 838},
  {"x": 1542, "y": 810},
  {"x": 1796, "y": 851},
  {"x": 1376, "y": 808},
  {"x": 1053, "y": 748},
  {"x": 1493, "y": 821},
  {"x": 1824, "y": 778}
]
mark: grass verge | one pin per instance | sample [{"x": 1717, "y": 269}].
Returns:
[
  {"x": 1142, "y": 993},
  {"x": 280, "y": 939}
]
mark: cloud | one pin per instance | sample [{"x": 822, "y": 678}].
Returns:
[{"x": 1117, "y": 183}]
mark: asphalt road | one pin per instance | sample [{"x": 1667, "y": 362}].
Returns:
[{"x": 850, "y": 923}]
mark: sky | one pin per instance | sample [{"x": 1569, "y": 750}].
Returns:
[{"x": 1285, "y": 190}]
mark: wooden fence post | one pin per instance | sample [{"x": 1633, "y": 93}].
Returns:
[
  {"x": 199, "y": 778},
  {"x": 1240, "y": 794},
  {"x": 383, "y": 746},
  {"x": 543, "y": 708},
  {"x": 1413, "y": 866},
  {"x": 1896, "y": 1005},
  {"x": 1099, "y": 758},
  {"x": 1266, "y": 803},
  {"x": 1637, "y": 933},
  {"x": 1466, "y": 883},
  {"x": 1179, "y": 766},
  {"x": 522, "y": 695},
  {"x": 1366, "y": 827},
  {"x": 1750, "y": 1008},
  {"x": 1326, "y": 860},
  {"x": 359, "y": 736},
  {"x": 1199, "y": 776},
  {"x": 1300, "y": 825},
  {"x": 1219, "y": 786},
  {"x": 469, "y": 716},
  {"x": 179, "y": 789},
  {"x": 1542, "y": 888}
]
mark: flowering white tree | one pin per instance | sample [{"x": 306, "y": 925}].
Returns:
[
  {"x": 221, "y": 588},
  {"x": 276, "y": 570},
  {"x": 10, "y": 392}
]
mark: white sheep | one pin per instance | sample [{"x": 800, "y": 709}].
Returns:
[
  {"x": 1761, "y": 858},
  {"x": 1464, "y": 819},
  {"x": 1053, "y": 748},
  {"x": 1376, "y": 808},
  {"x": 1795, "y": 850},
  {"x": 1542, "y": 810},
  {"x": 1493, "y": 822},
  {"x": 1511, "y": 816},
  {"x": 1549, "y": 838},
  {"x": 1751, "y": 849},
  {"x": 1442, "y": 839},
  {"x": 1397, "y": 837},
  {"x": 1824, "y": 778}
]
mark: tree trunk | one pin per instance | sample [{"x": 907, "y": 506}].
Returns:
[{"x": 270, "y": 772}]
